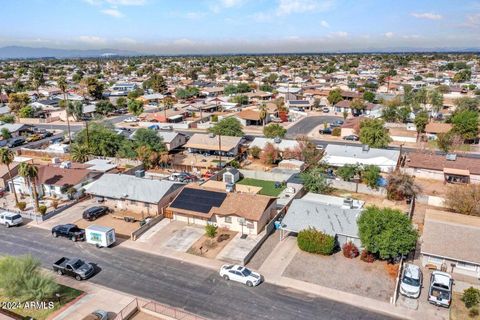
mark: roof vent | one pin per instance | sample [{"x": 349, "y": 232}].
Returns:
[
  {"x": 211, "y": 135},
  {"x": 366, "y": 148},
  {"x": 348, "y": 203},
  {"x": 451, "y": 157},
  {"x": 277, "y": 140}
]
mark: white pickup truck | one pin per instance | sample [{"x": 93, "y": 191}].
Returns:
[{"x": 10, "y": 219}]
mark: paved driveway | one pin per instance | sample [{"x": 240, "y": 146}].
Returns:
[
  {"x": 183, "y": 239},
  {"x": 304, "y": 126}
]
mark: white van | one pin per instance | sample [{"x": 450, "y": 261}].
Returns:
[{"x": 10, "y": 219}]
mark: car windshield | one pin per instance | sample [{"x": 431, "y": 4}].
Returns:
[
  {"x": 77, "y": 264},
  {"x": 246, "y": 272},
  {"x": 411, "y": 281},
  {"x": 17, "y": 216}
]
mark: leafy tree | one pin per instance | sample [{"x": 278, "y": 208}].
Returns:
[
  {"x": 16, "y": 101},
  {"x": 5, "y": 134},
  {"x": 464, "y": 199},
  {"x": 227, "y": 127},
  {"x": 26, "y": 112},
  {"x": 462, "y": 76},
  {"x": 348, "y": 171},
  {"x": 314, "y": 180},
  {"x": 357, "y": 104},
  {"x": 471, "y": 297},
  {"x": 313, "y": 241},
  {"x": 187, "y": 93},
  {"x": 467, "y": 103},
  {"x": 465, "y": 123},
  {"x": 255, "y": 152},
  {"x": 401, "y": 185},
  {"x": 135, "y": 107},
  {"x": 335, "y": 96},
  {"x": 62, "y": 84},
  {"x": 103, "y": 140},
  {"x": 7, "y": 118},
  {"x": 386, "y": 232},
  {"x": 435, "y": 98},
  {"x": 274, "y": 130},
  {"x": 75, "y": 109},
  {"x": 374, "y": 134},
  {"x": 156, "y": 82},
  {"x": 445, "y": 141},
  {"x": 211, "y": 230},
  {"x": 389, "y": 113},
  {"x": 421, "y": 120},
  {"x": 370, "y": 175},
  {"x": 148, "y": 137},
  {"x": 94, "y": 87},
  {"x": 104, "y": 107},
  {"x": 369, "y": 96},
  {"x": 240, "y": 99},
  {"x": 121, "y": 103},
  {"x": 270, "y": 154}
]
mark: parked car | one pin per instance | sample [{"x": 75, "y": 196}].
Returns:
[
  {"x": 338, "y": 122},
  {"x": 97, "y": 315},
  {"x": 351, "y": 137},
  {"x": 319, "y": 147},
  {"x": 15, "y": 142},
  {"x": 70, "y": 231},
  {"x": 10, "y": 219},
  {"x": 326, "y": 110},
  {"x": 46, "y": 134},
  {"x": 325, "y": 131},
  {"x": 240, "y": 274},
  {"x": 440, "y": 292},
  {"x": 131, "y": 119},
  {"x": 34, "y": 137},
  {"x": 74, "y": 267},
  {"x": 411, "y": 281},
  {"x": 94, "y": 212}
]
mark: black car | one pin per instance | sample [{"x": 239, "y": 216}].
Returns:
[
  {"x": 70, "y": 231},
  {"x": 15, "y": 142},
  {"x": 325, "y": 131},
  {"x": 351, "y": 137},
  {"x": 94, "y": 212}
]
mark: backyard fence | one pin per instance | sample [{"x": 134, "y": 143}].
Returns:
[
  {"x": 128, "y": 311},
  {"x": 137, "y": 233},
  {"x": 155, "y": 308}
]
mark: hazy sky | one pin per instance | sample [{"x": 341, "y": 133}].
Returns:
[{"x": 222, "y": 26}]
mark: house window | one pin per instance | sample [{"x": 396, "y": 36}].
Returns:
[
  {"x": 435, "y": 260},
  {"x": 146, "y": 205},
  {"x": 228, "y": 219},
  {"x": 466, "y": 266},
  {"x": 132, "y": 202}
]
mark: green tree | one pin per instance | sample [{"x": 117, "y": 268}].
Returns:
[
  {"x": 435, "y": 97},
  {"x": 445, "y": 141},
  {"x": 5, "y": 134},
  {"x": 6, "y": 157},
  {"x": 7, "y": 118},
  {"x": 314, "y": 180},
  {"x": 30, "y": 173},
  {"x": 374, "y": 134},
  {"x": 75, "y": 109},
  {"x": 16, "y": 101},
  {"x": 79, "y": 152},
  {"x": 150, "y": 138},
  {"x": 211, "y": 230},
  {"x": 121, "y": 103},
  {"x": 103, "y": 140},
  {"x": 462, "y": 76},
  {"x": 335, "y": 96},
  {"x": 240, "y": 99},
  {"x": 465, "y": 123},
  {"x": 467, "y": 103},
  {"x": 274, "y": 130},
  {"x": 348, "y": 171},
  {"x": 471, "y": 297},
  {"x": 386, "y": 232},
  {"x": 370, "y": 175},
  {"x": 156, "y": 82},
  {"x": 26, "y": 112},
  {"x": 94, "y": 87},
  {"x": 421, "y": 120},
  {"x": 369, "y": 96},
  {"x": 62, "y": 84},
  {"x": 104, "y": 107},
  {"x": 227, "y": 127},
  {"x": 135, "y": 107},
  {"x": 313, "y": 241}
]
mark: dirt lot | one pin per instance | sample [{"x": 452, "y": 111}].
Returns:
[
  {"x": 372, "y": 200},
  {"x": 350, "y": 275},
  {"x": 122, "y": 229},
  {"x": 212, "y": 247}
]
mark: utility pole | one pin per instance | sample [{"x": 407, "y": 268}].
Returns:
[{"x": 220, "y": 150}]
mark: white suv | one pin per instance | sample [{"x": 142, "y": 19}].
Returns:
[
  {"x": 9, "y": 219},
  {"x": 411, "y": 281}
]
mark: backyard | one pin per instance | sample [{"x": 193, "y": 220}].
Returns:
[{"x": 268, "y": 187}]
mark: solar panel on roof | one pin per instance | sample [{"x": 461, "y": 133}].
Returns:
[{"x": 198, "y": 200}]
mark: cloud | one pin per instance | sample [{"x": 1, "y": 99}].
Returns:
[
  {"x": 472, "y": 21},
  {"x": 338, "y": 34},
  {"x": 427, "y": 15},
  {"x": 389, "y": 35},
  {"x": 219, "y": 5},
  {"x": 325, "y": 24},
  {"x": 286, "y": 7},
  {"x": 184, "y": 42},
  {"x": 113, "y": 12},
  {"x": 92, "y": 39}
]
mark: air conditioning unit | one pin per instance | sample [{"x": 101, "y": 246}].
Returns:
[
  {"x": 66, "y": 165},
  {"x": 140, "y": 173},
  {"x": 348, "y": 203}
]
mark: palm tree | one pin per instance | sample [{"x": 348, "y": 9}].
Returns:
[
  {"x": 167, "y": 104},
  {"x": 80, "y": 152},
  {"x": 62, "y": 84},
  {"x": 6, "y": 158},
  {"x": 263, "y": 113},
  {"x": 30, "y": 173}
]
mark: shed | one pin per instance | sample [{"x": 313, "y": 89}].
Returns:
[{"x": 231, "y": 175}]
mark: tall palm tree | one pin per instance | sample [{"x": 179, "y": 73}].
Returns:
[
  {"x": 62, "y": 84},
  {"x": 30, "y": 173},
  {"x": 6, "y": 158},
  {"x": 263, "y": 113}
]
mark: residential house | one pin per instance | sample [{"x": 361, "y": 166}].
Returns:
[
  {"x": 299, "y": 105},
  {"x": 340, "y": 155},
  {"x": 15, "y": 129},
  {"x": 4, "y": 175},
  {"x": 250, "y": 117},
  {"x": 126, "y": 192},
  {"x": 172, "y": 139},
  {"x": 449, "y": 168},
  {"x": 280, "y": 144},
  {"x": 242, "y": 212},
  {"x": 449, "y": 242},
  {"x": 333, "y": 215},
  {"x": 213, "y": 145},
  {"x": 432, "y": 129}
]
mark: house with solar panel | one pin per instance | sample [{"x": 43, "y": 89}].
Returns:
[{"x": 242, "y": 212}]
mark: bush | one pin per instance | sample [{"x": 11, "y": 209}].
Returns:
[
  {"x": 336, "y": 132},
  {"x": 350, "y": 250},
  {"x": 55, "y": 204},
  {"x": 235, "y": 164},
  {"x": 21, "y": 205},
  {"x": 255, "y": 152},
  {"x": 367, "y": 256},
  {"x": 473, "y": 312},
  {"x": 42, "y": 209},
  {"x": 211, "y": 230},
  {"x": 313, "y": 241},
  {"x": 471, "y": 297}
]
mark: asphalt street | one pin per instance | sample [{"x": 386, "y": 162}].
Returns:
[
  {"x": 195, "y": 289},
  {"x": 304, "y": 126}
]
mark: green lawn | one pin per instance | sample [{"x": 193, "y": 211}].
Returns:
[
  {"x": 268, "y": 187},
  {"x": 67, "y": 294}
]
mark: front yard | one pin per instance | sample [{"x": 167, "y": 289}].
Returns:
[
  {"x": 40, "y": 311},
  {"x": 268, "y": 187},
  {"x": 210, "y": 247},
  {"x": 350, "y": 275},
  {"x": 458, "y": 311}
]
